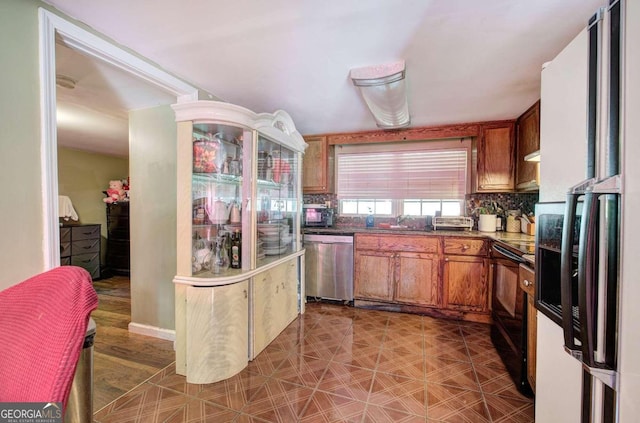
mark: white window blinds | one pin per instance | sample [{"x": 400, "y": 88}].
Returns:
[{"x": 433, "y": 169}]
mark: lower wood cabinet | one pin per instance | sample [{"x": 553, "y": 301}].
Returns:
[
  {"x": 397, "y": 268},
  {"x": 440, "y": 275},
  {"x": 374, "y": 275},
  {"x": 417, "y": 278},
  {"x": 465, "y": 283}
]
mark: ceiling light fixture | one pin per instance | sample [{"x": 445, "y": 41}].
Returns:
[
  {"x": 383, "y": 88},
  {"x": 63, "y": 81}
]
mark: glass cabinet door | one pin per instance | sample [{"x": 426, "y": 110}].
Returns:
[
  {"x": 276, "y": 200},
  {"x": 217, "y": 192}
]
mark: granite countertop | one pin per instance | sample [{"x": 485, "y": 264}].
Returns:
[{"x": 522, "y": 242}]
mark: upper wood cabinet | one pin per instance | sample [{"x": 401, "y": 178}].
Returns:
[
  {"x": 317, "y": 169},
  {"x": 496, "y": 157},
  {"x": 528, "y": 141}
]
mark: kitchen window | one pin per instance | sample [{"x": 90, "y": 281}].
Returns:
[{"x": 409, "y": 178}]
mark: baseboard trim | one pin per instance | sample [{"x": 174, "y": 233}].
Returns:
[{"x": 156, "y": 332}]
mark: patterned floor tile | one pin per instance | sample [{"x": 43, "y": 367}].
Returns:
[
  {"x": 498, "y": 382},
  {"x": 268, "y": 361},
  {"x": 377, "y": 414},
  {"x": 483, "y": 353},
  {"x": 451, "y": 349},
  {"x": 361, "y": 334},
  {"x": 506, "y": 409},
  {"x": 278, "y": 401},
  {"x": 301, "y": 370},
  {"x": 412, "y": 322},
  {"x": 450, "y": 404},
  {"x": 356, "y": 354},
  {"x": 403, "y": 338},
  {"x": 459, "y": 374},
  {"x": 398, "y": 393},
  {"x": 145, "y": 403},
  {"x": 401, "y": 363},
  {"x": 199, "y": 411},
  {"x": 235, "y": 392},
  {"x": 348, "y": 381},
  {"x": 342, "y": 364},
  {"x": 325, "y": 407}
]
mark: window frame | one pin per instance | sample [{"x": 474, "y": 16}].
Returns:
[{"x": 397, "y": 205}]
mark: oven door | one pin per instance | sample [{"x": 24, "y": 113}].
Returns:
[
  {"x": 507, "y": 299},
  {"x": 508, "y": 311}
]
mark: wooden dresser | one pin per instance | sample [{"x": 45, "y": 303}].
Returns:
[
  {"x": 80, "y": 246},
  {"x": 117, "y": 256}
]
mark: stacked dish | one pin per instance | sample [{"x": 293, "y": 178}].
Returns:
[{"x": 275, "y": 237}]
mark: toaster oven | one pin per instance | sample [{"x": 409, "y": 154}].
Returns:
[{"x": 317, "y": 216}]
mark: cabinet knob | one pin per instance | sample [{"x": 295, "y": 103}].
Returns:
[
  {"x": 446, "y": 259},
  {"x": 527, "y": 282},
  {"x": 465, "y": 247}
]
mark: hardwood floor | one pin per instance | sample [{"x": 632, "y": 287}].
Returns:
[{"x": 122, "y": 360}]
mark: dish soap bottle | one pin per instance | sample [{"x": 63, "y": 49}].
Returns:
[{"x": 369, "y": 220}]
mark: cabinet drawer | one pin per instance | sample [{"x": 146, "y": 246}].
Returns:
[
  {"x": 421, "y": 244},
  {"x": 85, "y": 246},
  {"x": 527, "y": 278},
  {"x": 65, "y": 249},
  {"x": 465, "y": 246},
  {"x": 85, "y": 232},
  {"x": 65, "y": 235},
  {"x": 90, "y": 262}
]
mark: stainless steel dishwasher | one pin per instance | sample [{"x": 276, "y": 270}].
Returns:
[{"x": 329, "y": 266}]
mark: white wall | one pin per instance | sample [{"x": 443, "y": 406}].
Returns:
[
  {"x": 21, "y": 222},
  {"x": 152, "y": 159}
]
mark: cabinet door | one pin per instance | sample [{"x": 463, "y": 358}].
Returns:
[
  {"x": 417, "y": 278},
  {"x": 496, "y": 158},
  {"x": 275, "y": 305},
  {"x": 216, "y": 324},
  {"x": 373, "y": 275},
  {"x": 528, "y": 141},
  {"x": 465, "y": 283},
  {"x": 316, "y": 176}
]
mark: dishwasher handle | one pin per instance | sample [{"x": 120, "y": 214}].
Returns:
[{"x": 327, "y": 239}]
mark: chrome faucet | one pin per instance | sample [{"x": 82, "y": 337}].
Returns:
[{"x": 399, "y": 219}]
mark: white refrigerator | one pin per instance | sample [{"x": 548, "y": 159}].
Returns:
[{"x": 567, "y": 389}]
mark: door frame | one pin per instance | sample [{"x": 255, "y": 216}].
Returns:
[{"x": 100, "y": 48}]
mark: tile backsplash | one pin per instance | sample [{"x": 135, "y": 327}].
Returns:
[{"x": 525, "y": 202}]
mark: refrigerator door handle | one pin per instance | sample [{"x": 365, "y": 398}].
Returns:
[
  {"x": 588, "y": 277},
  {"x": 566, "y": 276}
]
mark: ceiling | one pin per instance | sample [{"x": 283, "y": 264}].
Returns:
[{"x": 466, "y": 60}]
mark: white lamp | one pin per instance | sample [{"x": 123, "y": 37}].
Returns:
[{"x": 384, "y": 90}]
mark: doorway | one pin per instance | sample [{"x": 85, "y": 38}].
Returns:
[{"x": 54, "y": 27}]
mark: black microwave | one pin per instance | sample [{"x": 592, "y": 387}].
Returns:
[{"x": 317, "y": 216}]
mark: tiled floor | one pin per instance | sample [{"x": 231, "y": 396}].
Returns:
[{"x": 341, "y": 364}]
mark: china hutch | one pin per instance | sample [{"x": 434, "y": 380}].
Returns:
[{"x": 239, "y": 279}]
